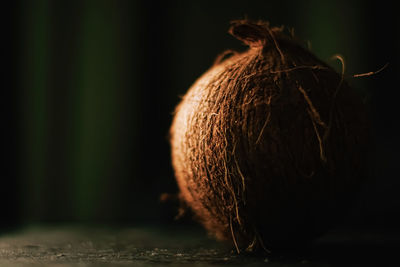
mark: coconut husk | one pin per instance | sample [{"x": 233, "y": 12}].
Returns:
[{"x": 269, "y": 145}]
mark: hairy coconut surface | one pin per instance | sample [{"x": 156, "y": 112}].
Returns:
[{"x": 269, "y": 145}]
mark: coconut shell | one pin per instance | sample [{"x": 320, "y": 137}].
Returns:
[{"x": 269, "y": 145}]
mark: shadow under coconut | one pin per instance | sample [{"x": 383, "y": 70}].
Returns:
[{"x": 345, "y": 248}]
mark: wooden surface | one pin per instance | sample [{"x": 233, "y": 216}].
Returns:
[{"x": 165, "y": 246}]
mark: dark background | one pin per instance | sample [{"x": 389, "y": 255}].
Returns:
[{"x": 90, "y": 86}]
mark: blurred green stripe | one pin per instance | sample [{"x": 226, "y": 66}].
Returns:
[
  {"x": 96, "y": 108},
  {"x": 34, "y": 112},
  {"x": 336, "y": 27}
]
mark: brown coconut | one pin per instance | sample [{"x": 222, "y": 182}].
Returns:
[{"x": 269, "y": 145}]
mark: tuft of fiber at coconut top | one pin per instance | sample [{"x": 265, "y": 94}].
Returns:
[{"x": 269, "y": 146}]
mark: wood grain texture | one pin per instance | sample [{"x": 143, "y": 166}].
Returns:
[{"x": 161, "y": 246}]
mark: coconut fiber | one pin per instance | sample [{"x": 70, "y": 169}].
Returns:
[{"x": 269, "y": 145}]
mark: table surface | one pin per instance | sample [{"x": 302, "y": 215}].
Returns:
[{"x": 155, "y": 245}]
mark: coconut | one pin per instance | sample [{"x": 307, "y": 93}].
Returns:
[{"x": 269, "y": 145}]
